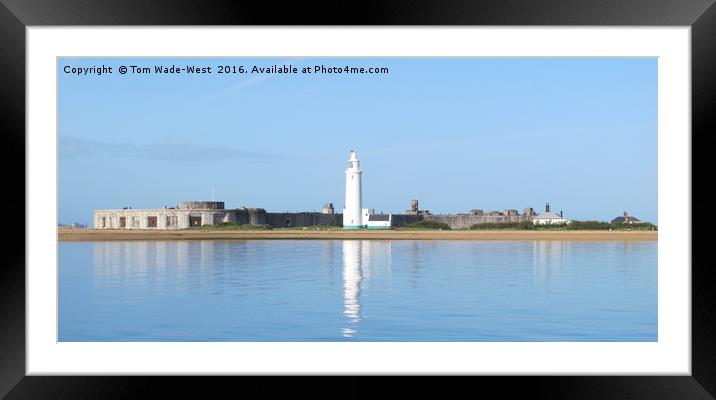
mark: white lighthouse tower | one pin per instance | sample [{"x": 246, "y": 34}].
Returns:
[{"x": 352, "y": 213}]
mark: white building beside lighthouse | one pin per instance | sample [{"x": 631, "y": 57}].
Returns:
[
  {"x": 353, "y": 212},
  {"x": 550, "y": 218}
]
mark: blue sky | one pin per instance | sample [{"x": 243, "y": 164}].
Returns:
[{"x": 455, "y": 133}]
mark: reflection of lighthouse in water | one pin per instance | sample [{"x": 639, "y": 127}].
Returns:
[
  {"x": 352, "y": 277},
  {"x": 361, "y": 260},
  {"x": 548, "y": 259}
]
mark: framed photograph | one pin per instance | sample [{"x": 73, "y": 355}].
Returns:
[{"x": 479, "y": 189}]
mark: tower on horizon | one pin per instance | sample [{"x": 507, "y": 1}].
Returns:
[{"x": 352, "y": 213}]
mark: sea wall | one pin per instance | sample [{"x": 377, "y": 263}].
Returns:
[
  {"x": 460, "y": 221},
  {"x": 301, "y": 219},
  {"x": 182, "y": 218}
]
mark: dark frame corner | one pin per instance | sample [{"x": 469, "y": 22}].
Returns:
[{"x": 16, "y": 15}]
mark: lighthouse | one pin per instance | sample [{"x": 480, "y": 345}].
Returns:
[{"x": 352, "y": 213}]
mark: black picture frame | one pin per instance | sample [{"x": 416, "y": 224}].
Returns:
[{"x": 16, "y": 15}]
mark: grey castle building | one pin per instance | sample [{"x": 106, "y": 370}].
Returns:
[{"x": 198, "y": 213}]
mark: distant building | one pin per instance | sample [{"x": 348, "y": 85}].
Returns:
[
  {"x": 549, "y": 218},
  {"x": 626, "y": 219},
  {"x": 415, "y": 210},
  {"x": 379, "y": 221},
  {"x": 328, "y": 208}
]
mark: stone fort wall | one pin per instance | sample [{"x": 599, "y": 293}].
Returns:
[{"x": 182, "y": 218}]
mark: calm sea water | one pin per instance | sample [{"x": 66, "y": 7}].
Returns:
[{"x": 358, "y": 291}]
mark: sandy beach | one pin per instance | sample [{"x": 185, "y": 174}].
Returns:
[{"x": 83, "y": 235}]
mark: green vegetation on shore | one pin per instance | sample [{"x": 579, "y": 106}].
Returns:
[
  {"x": 432, "y": 225},
  {"x": 574, "y": 226},
  {"x": 231, "y": 226}
]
